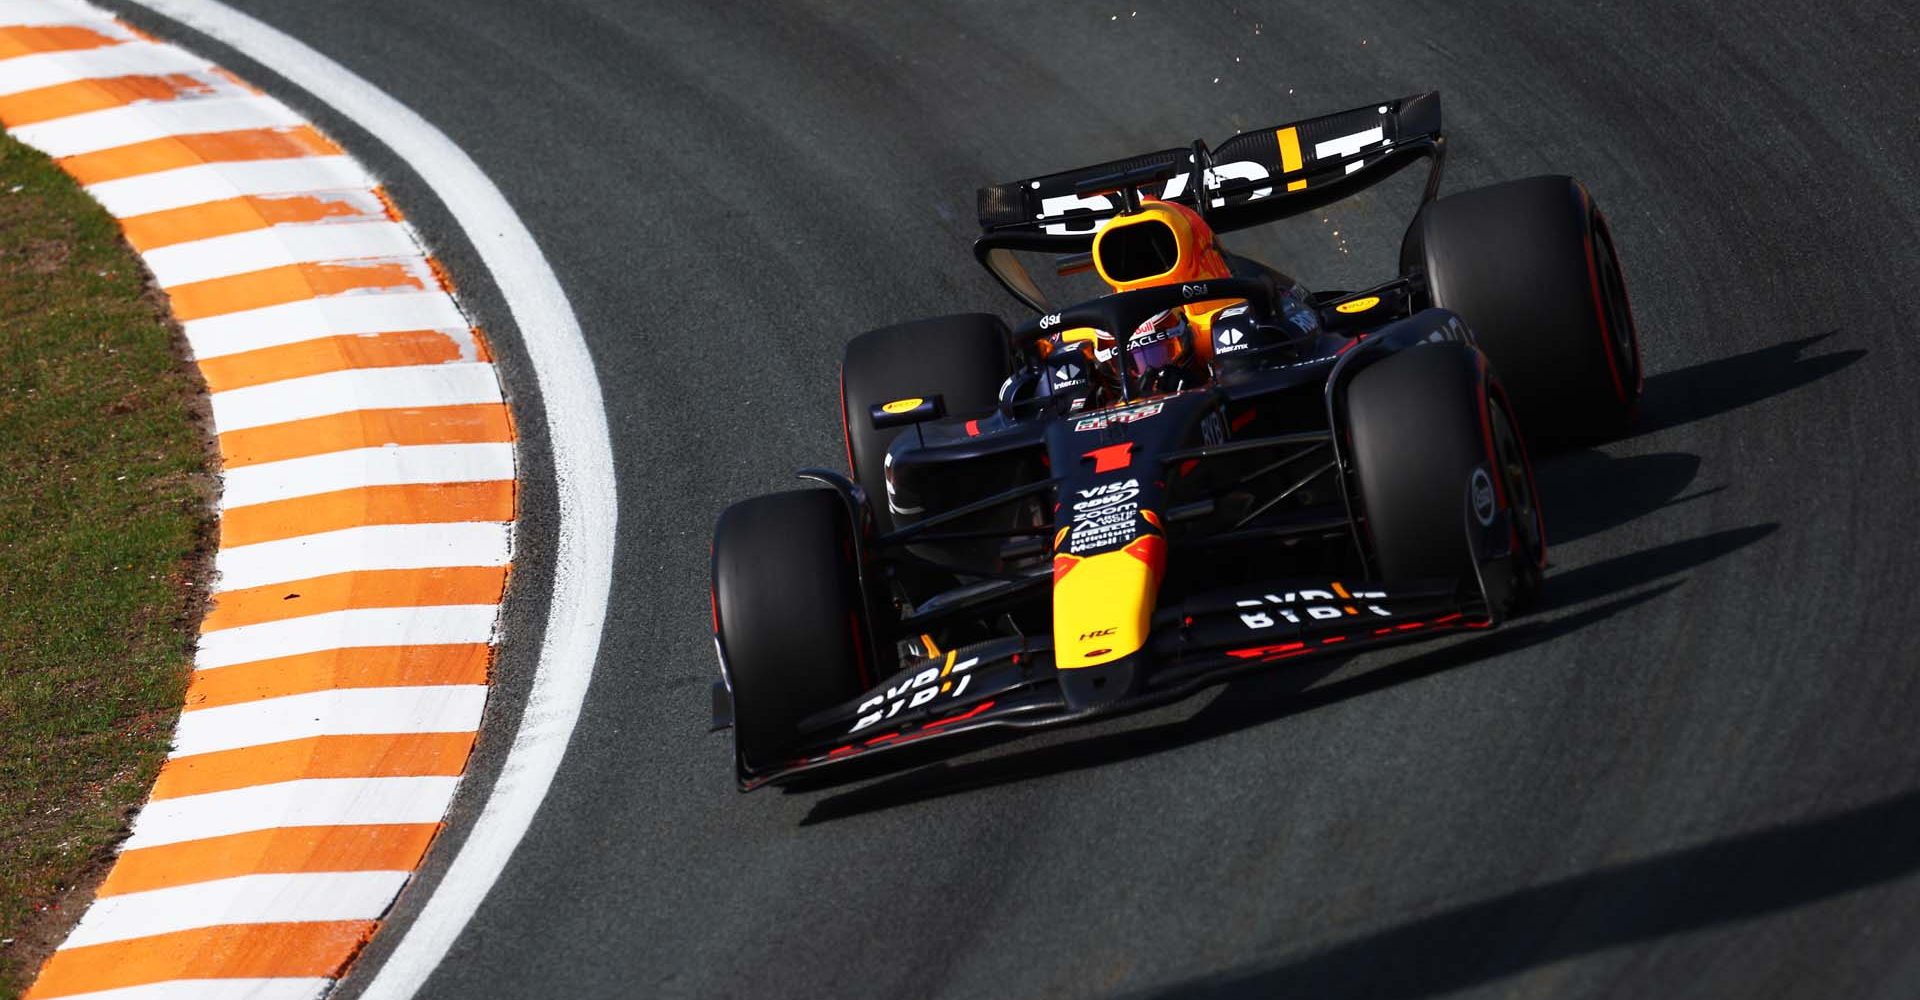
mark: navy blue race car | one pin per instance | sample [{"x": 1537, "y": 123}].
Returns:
[{"x": 1207, "y": 470}]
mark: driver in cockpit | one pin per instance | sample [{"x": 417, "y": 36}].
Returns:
[{"x": 1162, "y": 244}]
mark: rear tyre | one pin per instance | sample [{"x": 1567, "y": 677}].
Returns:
[
  {"x": 1425, "y": 423},
  {"x": 1530, "y": 265},
  {"x": 787, "y": 616},
  {"x": 963, "y": 358}
]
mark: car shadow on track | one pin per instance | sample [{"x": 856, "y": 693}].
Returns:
[
  {"x": 1714, "y": 387},
  {"x": 1634, "y": 486},
  {"x": 1734, "y": 878},
  {"x": 1587, "y": 492},
  {"x": 1618, "y": 584}
]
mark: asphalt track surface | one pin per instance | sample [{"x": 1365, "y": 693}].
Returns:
[{"x": 1694, "y": 773}]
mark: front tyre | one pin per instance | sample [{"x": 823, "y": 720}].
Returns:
[
  {"x": 1425, "y": 425},
  {"x": 787, "y": 617}
]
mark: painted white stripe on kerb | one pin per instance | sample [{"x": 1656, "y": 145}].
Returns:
[
  {"x": 1347, "y": 144},
  {"x": 358, "y": 628},
  {"x": 246, "y": 899},
  {"x": 94, "y": 131},
  {"x": 196, "y": 185},
  {"x": 586, "y": 518},
  {"x": 308, "y": 319},
  {"x": 51, "y": 69},
  {"x": 259, "y": 249},
  {"x": 41, "y": 13},
  {"x": 308, "y": 802},
  {"x": 398, "y": 465},
  {"x": 437, "y": 708},
  {"x": 405, "y": 387},
  {"x": 353, "y": 550},
  {"x": 287, "y": 988}
]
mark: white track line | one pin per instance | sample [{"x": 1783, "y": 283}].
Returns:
[
  {"x": 130, "y": 197},
  {"x": 443, "y": 625},
  {"x": 394, "y": 465},
  {"x": 352, "y": 550},
  {"x": 337, "y": 315},
  {"x": 215, "y": 989},
  {"x": 399, "y": 388},
  {"x": 582, "y": 459},
  {"x": 246, "y": 899},
  {"x": 278, "y": 246},
  {"x": 309, "y": 802},
  {"x": 377, "y": 711}
]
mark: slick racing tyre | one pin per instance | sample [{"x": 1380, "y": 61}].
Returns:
[
  {"x": 1427, "y": 424},
  {"x": 1530, "y": 265},
  {"x": 787, "y": 616},
  {"x": 963, "y": 359}
]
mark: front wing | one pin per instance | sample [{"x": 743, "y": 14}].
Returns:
[{"x": 1203, "y": 641}]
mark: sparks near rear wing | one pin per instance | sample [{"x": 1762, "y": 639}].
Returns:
[{"x": 1253, "y": 178}]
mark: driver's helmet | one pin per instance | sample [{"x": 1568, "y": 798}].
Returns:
[
  {"x": 1159, "y": 342},
  {"x": 1164, "y": 340}
]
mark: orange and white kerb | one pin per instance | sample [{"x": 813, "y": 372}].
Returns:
[{"x": 365, "y": 520}]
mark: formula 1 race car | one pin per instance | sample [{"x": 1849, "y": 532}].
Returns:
[{"x": 1203, "y": 472}]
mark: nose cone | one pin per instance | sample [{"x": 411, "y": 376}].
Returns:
[
  {"x": 1102, "y": 614},
  {"x": 1103, "y": 603},
  {"x": 1091, "y": 689}
]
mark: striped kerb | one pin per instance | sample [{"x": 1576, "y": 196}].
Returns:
[{"x": 365, "y": 520}]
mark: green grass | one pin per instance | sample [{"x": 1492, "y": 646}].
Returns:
[{"x": 104, "y": 526}]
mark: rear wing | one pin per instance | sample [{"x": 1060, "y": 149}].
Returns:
[{"x": 1251, "y": 179}]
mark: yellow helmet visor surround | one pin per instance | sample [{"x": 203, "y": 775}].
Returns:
[{"x": 1153, "y": 246}]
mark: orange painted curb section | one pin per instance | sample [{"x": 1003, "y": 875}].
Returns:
[{"x": 366, "y": 513}]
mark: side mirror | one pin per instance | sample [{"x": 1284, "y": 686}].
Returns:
[{"x": 911, "y": 410}]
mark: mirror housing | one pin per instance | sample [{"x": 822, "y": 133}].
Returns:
[{"x": 907, "y": 411}]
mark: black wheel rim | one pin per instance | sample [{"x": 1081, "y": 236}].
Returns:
[
  {"x": 1517, "y": 477},
  {"x": 1622, "y": 338}
]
